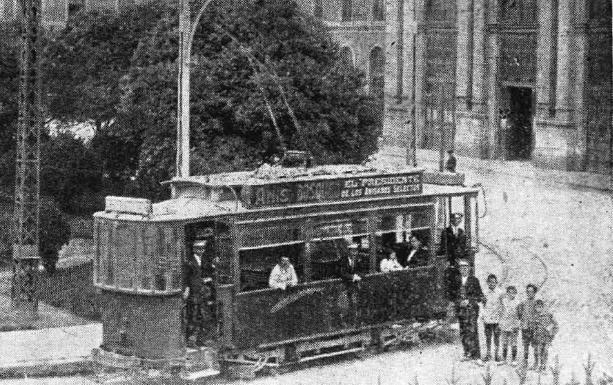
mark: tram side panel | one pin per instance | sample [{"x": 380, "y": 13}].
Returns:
[
  {"x": 144, "y": 326},
  {"x": 137, "y": 272},
  {"x": 321, "y": 308}
]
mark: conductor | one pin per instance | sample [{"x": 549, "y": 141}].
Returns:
[{"x": 453, "y": 240}]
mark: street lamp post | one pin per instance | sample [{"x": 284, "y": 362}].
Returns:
[
  {"x": 182, "y": 166},
  {"x": 187, "y": 30}
]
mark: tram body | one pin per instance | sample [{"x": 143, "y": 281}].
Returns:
[{"x": 249, "y": 221}]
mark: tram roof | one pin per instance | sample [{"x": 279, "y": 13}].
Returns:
[
  {"x": 268, "y": 175},
  {"x": 193, "y": 208}
]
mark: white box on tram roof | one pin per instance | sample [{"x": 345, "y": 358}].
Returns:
[{"x": 126, "y": 205}]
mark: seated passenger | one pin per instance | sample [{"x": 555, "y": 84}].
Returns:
[
  {"x": 283, "y": 275},
  {"x": 418, "y": 255},
  {"x": 390, "y": 263}
]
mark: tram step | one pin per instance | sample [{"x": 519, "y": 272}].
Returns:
[
  {"x": 331, "y": 354},
  {"x": 195, "y": 376}
]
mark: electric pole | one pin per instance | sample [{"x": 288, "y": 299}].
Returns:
[
  {"x": 185, "y": 40},
  {"x": 27, "y": 175},
  {"x": 187, "y": 31}
]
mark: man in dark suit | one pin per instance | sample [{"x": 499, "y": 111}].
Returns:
[
  {"x": 450, "y": 165},
  {"x": 348, "y": 272},
  {"x": 198, "y": 293},
  {"x": 464, "y": 291},
  {"x": 418, "y": 255},
  {"x": 453, "y": 240}
]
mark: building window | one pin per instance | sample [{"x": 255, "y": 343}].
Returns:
[
  {"x": 378, "y": 11},
  {"x": 377, "y": 63},
  {"x": 346, "y": 57},
  {"x": 346, "y": 10},
  {"x": 318, "y": 9}
]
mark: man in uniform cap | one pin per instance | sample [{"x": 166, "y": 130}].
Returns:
[
  {"x": 464, "y": 291},
  {"x": 453, "y": 240},
  {"x": 198, "y": 293}
]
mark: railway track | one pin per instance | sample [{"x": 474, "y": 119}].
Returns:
[{"x": 505, "y": 259}]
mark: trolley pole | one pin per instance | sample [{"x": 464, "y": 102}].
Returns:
[{"x": 26, "y": 259}]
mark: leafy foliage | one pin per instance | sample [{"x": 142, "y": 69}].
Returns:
[
  {"x": 118, "y": 71},
  {"x": 53, "y": 233},
  {"x": 244, "y": 56},
  {"x": 70, "y": 170},
  {"x": 85, "y": 62}
]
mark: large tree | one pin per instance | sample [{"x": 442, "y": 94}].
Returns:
[
  {"x": 251, "y": 60},
  {"x": 84, "y": 62}
]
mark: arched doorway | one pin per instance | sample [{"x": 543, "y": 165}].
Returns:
[
  {"x": 517, "y": 77},
  {"x": 517, "y": 133}
]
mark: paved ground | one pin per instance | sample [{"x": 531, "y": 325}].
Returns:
[
  {"x": 552, "y": 234},
  {"x": 52, "y": 345},
  {"x": 48, "y": 317}
]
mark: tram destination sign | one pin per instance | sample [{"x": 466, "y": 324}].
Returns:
[{"x": 330, "y": 190}]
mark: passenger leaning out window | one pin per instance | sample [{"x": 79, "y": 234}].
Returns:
[{"x": 283, "y": 275}]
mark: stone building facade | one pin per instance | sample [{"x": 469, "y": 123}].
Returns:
[
  {"x": 501, "y": 79},
  {"x": 359, "y": 28},
  {"x": 56, "y": 12},
  {"x": 497, "y": 79},
  {"x": 54, "y": 15}
]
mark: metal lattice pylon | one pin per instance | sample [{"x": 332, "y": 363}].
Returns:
[{"x": 27, "y": 176}]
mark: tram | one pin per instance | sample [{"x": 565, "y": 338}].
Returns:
[{"x": 250, "y": 219}]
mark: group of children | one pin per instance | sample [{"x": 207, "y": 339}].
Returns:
[{"x": 504, "y": 315}]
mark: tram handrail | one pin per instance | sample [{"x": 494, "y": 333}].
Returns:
[
  {"x": 236, "y": 198},
  {"x": 323, "y": 282}
]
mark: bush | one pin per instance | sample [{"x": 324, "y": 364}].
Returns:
[{"x": 53, "y": 233}]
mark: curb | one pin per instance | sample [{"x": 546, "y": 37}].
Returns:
[
  {"x": 49, "y": 368},
  {"x": 603, "y": 186}
]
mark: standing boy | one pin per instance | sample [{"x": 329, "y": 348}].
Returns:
[
  {"x": 527, "y": 317},
  {"x": 509, "y": 324},
  {"x": 545, "y": 329},
  {"x": 491, "y": 316}
]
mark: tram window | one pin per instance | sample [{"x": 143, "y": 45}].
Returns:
[
  {"x": 394, "y": 234},
  {"x": 104, "y": 273},
  {"x": 257, "y": 263},
  {"x": 151, "y": 255},
  {"x": 167, "y": 269},
  {"x": 327, "y": 254},
  {"x": 125, "y": 255}
]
